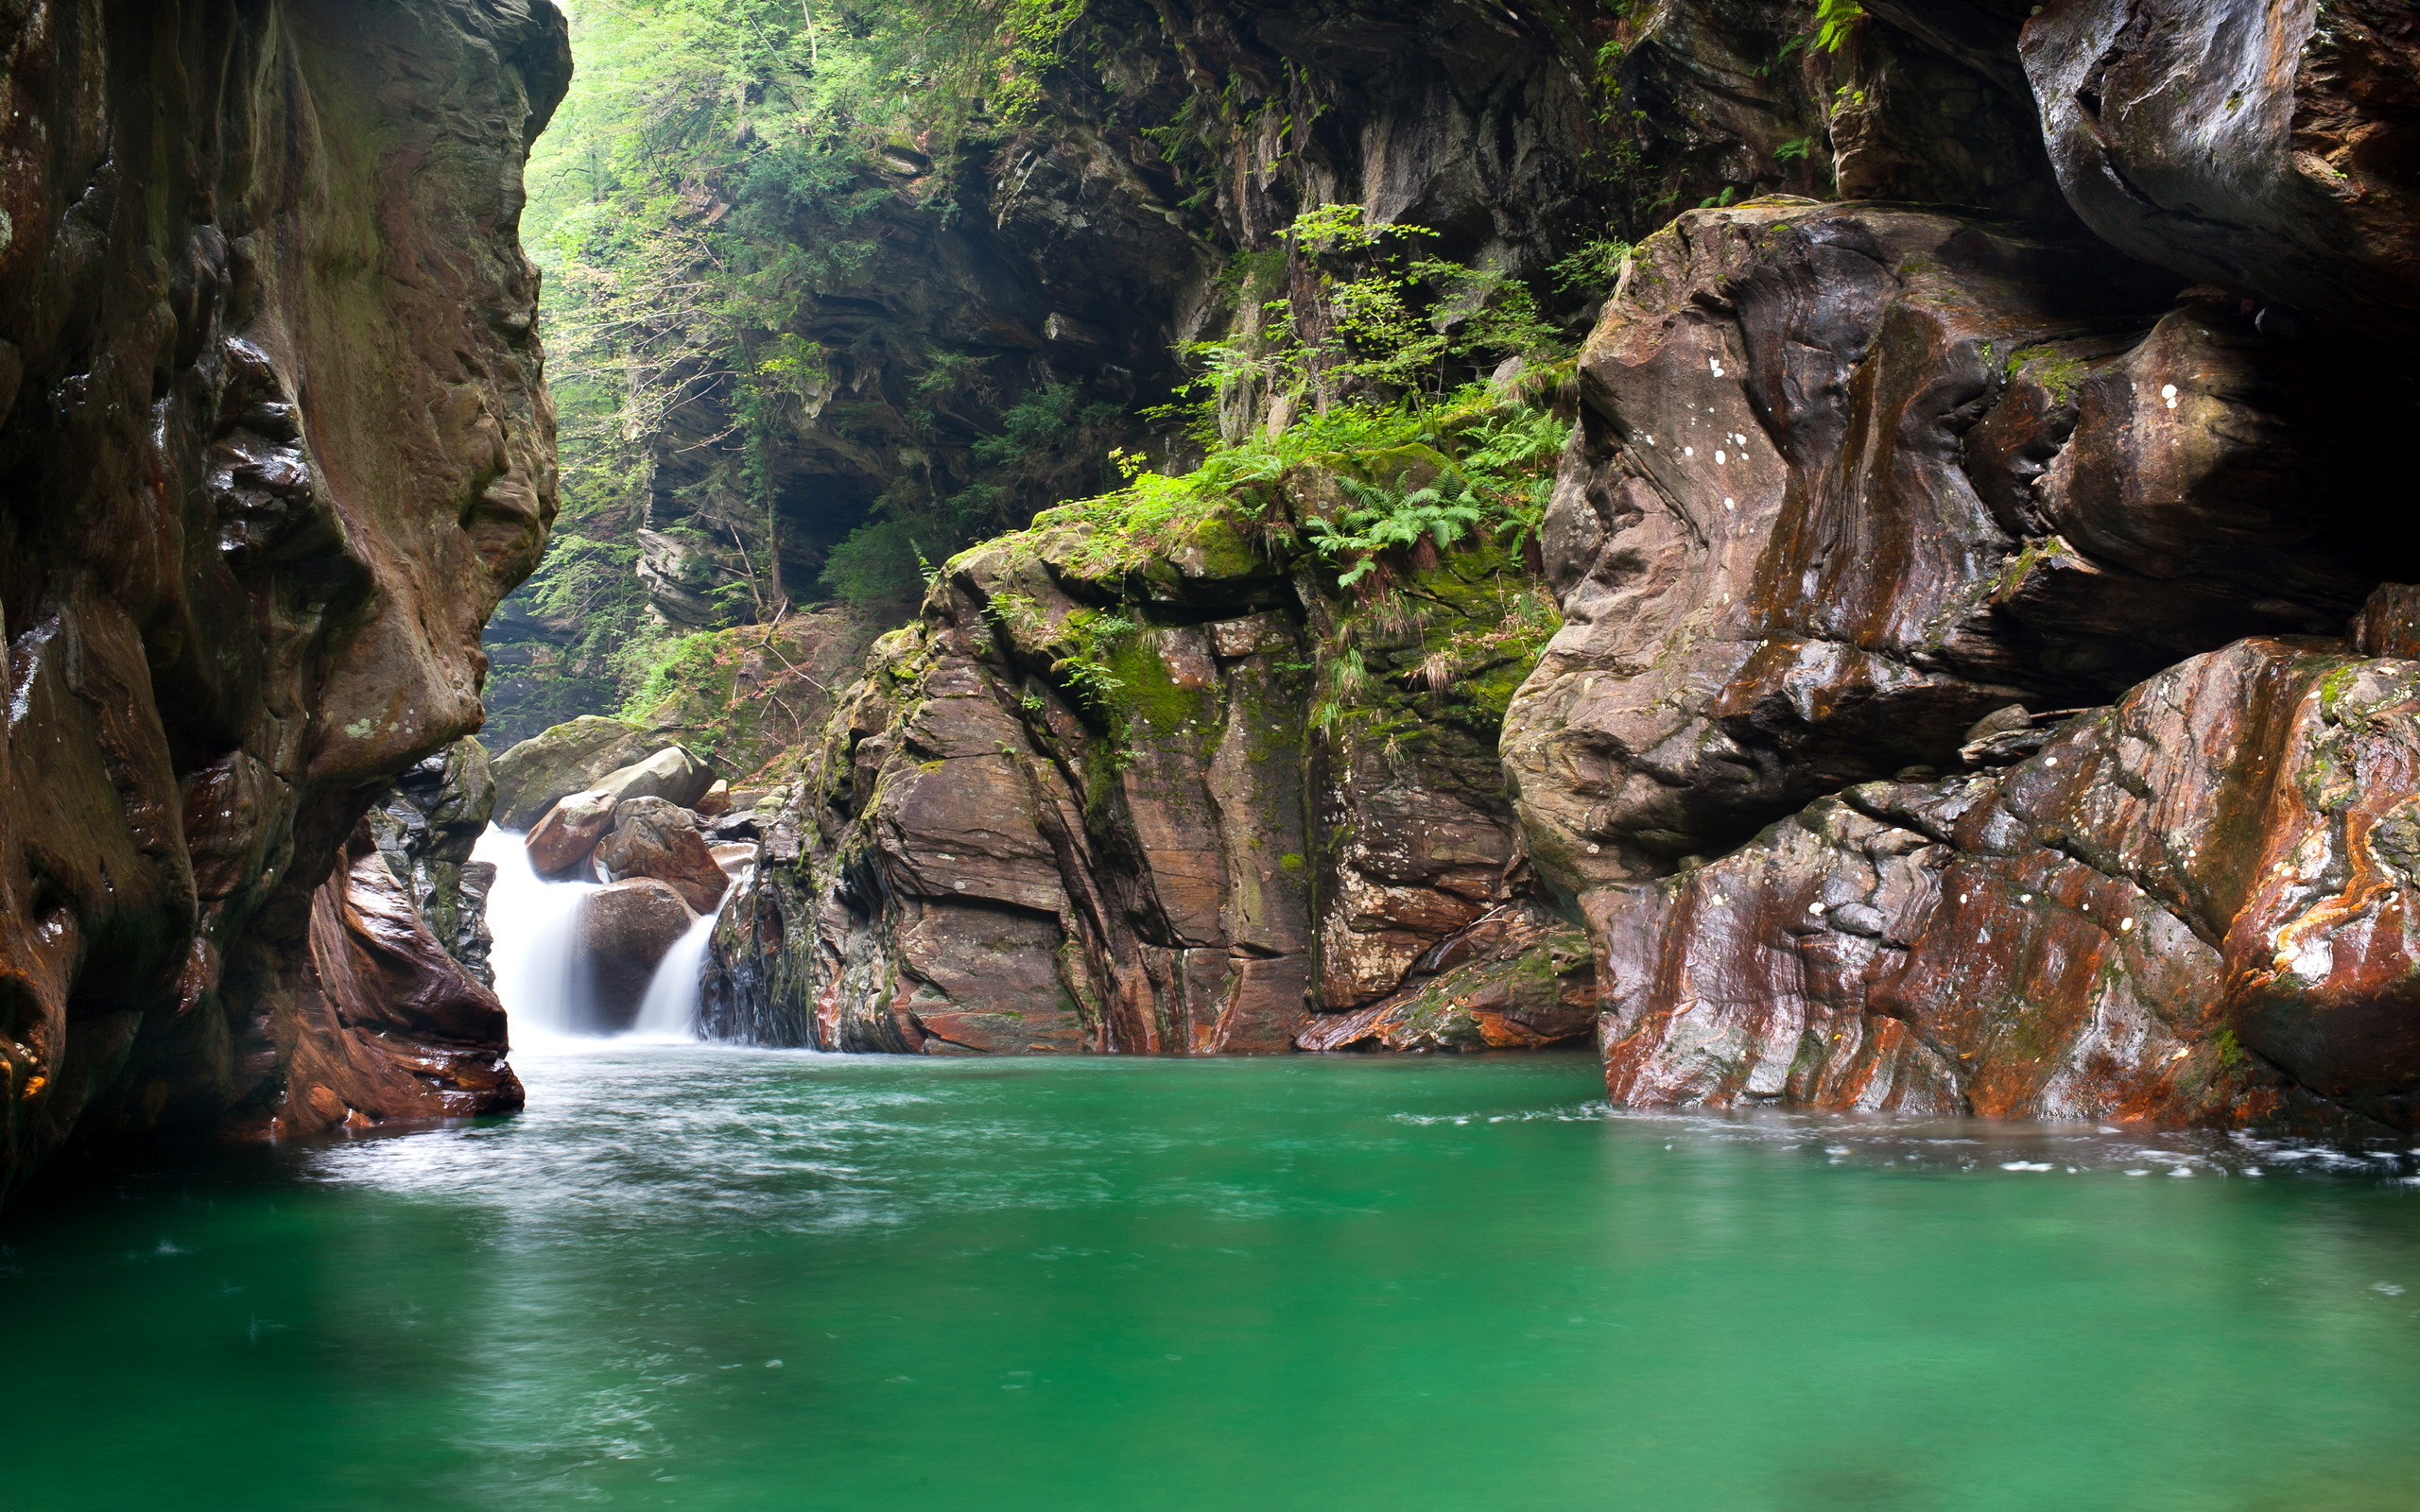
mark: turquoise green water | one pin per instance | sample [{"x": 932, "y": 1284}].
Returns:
[{"x": 1335, "y": 1283}]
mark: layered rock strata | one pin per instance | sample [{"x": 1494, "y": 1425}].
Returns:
[
  {"x": 274, "y": 442},
  {"x": 1084, "y": 804}
]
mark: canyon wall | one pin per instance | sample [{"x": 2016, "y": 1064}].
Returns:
[
  {"x": 1983, "y": 687},
  {"x": 273, "y": 442},
  {"x": 1979, "y": 680}
]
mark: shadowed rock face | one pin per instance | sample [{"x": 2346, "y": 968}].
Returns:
[
  {"x": 1851, "y": 477},
  {"x": 272, "y": 444},
  {"x": 2270, "y": 149}
]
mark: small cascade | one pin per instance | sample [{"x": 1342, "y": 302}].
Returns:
[
  {"x": 535, "y": 923},
  {"x": 537, "y": 971},
  {"x": 669, "y": 1010}
]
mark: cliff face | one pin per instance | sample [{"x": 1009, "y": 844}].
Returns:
[
  {"x": 1162, "y": 789},
  {"x": 1866, "y": 503},
  {"x": 1981, "y": 683},
  {"x": 272, "y": 444}
]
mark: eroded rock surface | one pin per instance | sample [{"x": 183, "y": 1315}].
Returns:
[
  {"x": 1519, "y": 978},
  {"x": 2190, "y": 906},
  {"x": 991, "y": 853},
  {"x": 2272, "y": 149},
  {"x": 273, "y": 442},
  {"x": 1850, "y": 478},
  {"x": 426, "y": 830}
]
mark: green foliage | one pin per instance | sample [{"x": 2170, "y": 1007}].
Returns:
[
  {"x": 1383, "y": 323},
  {"x": 1393, "y": 518},
  {"x": 1832, "y": 21},
  {"x": 1594, "y": 268}
]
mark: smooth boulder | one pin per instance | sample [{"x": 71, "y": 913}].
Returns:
[
  {"x": 561, "y": 844},
  {"x": 653, "y": 839},
  {"x": 625, "y": 930},
  {"x": 671, "y": 773},
  {"x": 533, "y": 776}
]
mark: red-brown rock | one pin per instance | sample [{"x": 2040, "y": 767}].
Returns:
[
  {"x": 2188, "y": 908},
  {"x": 653, "y": 839},
  {"x": 1518, "y": 979},
  {"x": 271, "y": 412},
  {"x": 625, "y": 929},
  {"x": 382, "y": 1025},
  {"x": 564, "y": 840}
]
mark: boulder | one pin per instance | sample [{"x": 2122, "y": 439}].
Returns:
[
  {"x": 671, "y": 773},
  {"x": 716, "y": 802},
  {"x": 561, "y": 845},
  {"x": 654, "y": 838},
  {"x": 735, "y": 857},
  {"x": 2263, "y": 146},
  {"x": 570, "y": 758},
  {"x": 624, "y": 931}
]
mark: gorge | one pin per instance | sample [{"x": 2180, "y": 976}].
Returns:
[{"x": 1575, "y": 715}]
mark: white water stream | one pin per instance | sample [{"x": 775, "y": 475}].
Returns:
[{"x": 537, "y": 973}]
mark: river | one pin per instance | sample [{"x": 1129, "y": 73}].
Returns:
[{"x": 704, "y": 1277}]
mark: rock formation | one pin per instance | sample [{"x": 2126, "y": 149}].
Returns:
[
  {"x": 426, "y": 830},
  {"x": 540, "y": 772},
  {"x": 564, "y": 840},
  {"x": 624, "y": 931},
  {"x": 275, "y": 444},
  {"x": 1087, "y": 803},
  {"x": 1848, "y": 476},
  {"x": 653, "y": 837}
]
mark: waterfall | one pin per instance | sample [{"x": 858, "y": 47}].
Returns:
[
  {"x": 669, "y": 1010},
  {"x": 535, "y": 923},
  {"x": 538, "y": 977}
]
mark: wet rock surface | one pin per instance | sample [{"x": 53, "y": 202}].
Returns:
[
  {"x": 2187, "y": 907},
  {"x": 652, "y": 838},
  {"x": 2270, "y": 149},
  {"x": 275, "y": 444},
  {"x": 426, "y": 830},
  {"x": 623, "y": 932}
]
